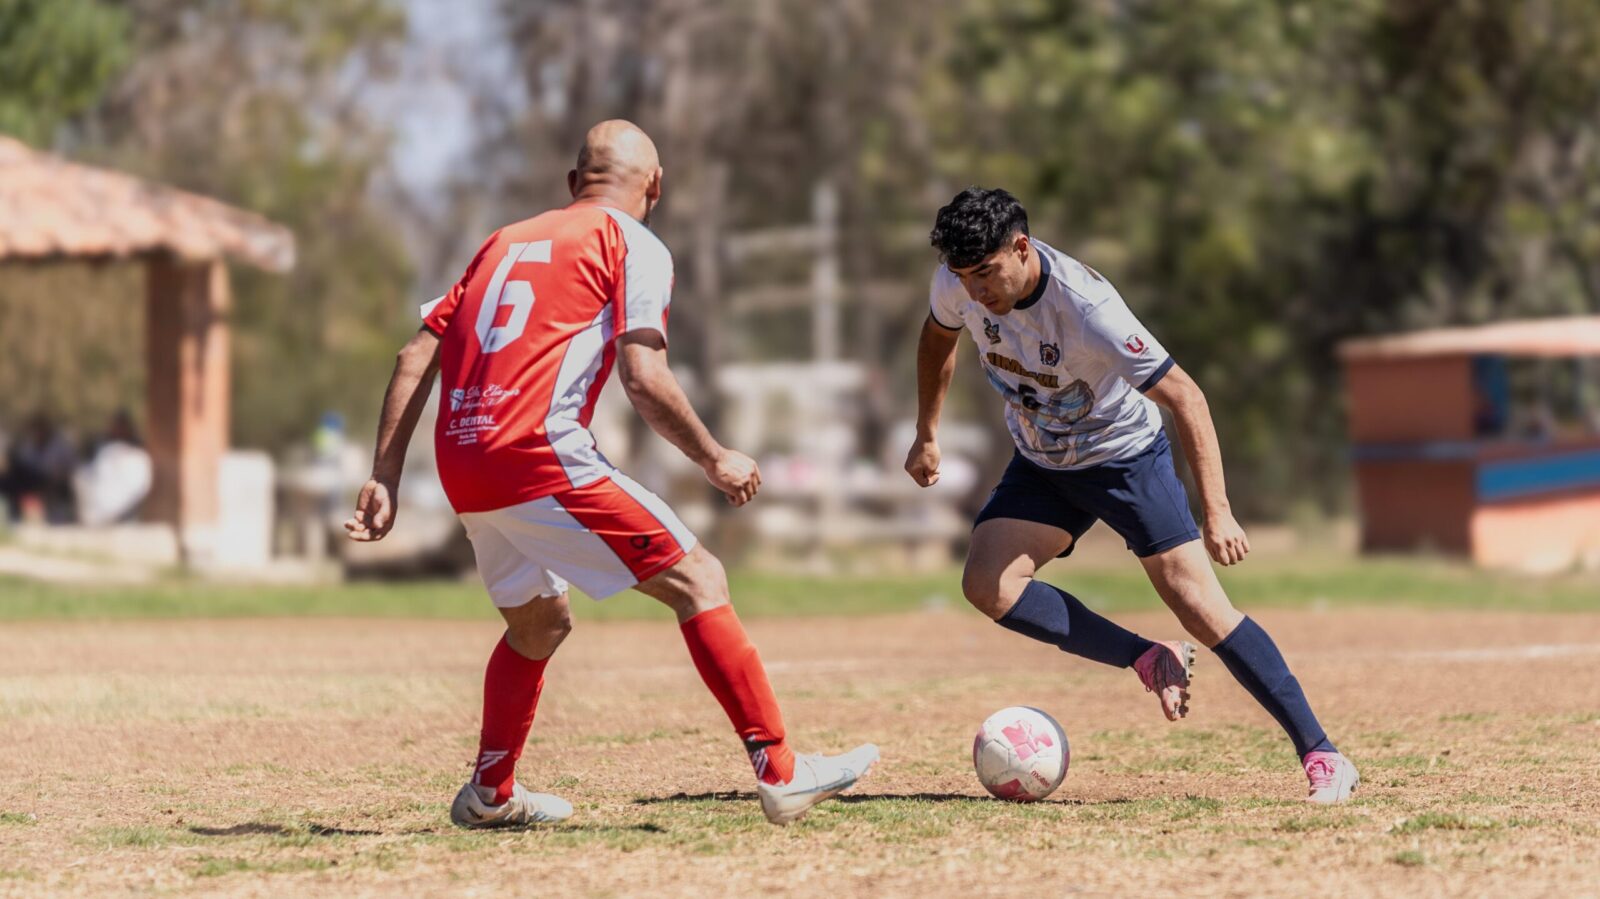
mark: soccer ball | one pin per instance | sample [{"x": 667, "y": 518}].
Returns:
[{"x": 1020, "y": 754}]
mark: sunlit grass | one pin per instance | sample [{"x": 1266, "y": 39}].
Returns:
[{"x": 1312, "y": 581}]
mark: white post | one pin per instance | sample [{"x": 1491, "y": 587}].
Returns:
[{"x": 825, "y": 275}]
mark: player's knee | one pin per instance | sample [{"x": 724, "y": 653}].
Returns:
[
  {"x": 987, "y": 592},
  {"x": 708, "y": 580},
  {"x": 560, "y": 622},
  {"x": 697, "y": 583},
  {"x": 537, "y": 629}
]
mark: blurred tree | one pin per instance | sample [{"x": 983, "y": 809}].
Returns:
[
  {"x": 261, "y": 105},
  {"x": 752, "y": 104},
  {"x": 1265, "y": 177},
  {"x": 56, "y": 58}
]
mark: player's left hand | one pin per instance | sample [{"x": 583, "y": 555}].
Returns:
[
  {"x": 736, "y": 475},
  {"x": 1225, "y": 540},
  {"x": 375, "y": 511}
]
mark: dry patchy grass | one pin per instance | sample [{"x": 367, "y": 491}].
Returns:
[{"x": 319, "y": 756}]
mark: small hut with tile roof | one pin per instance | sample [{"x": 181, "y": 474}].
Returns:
[{"x": 55, "y": 210}]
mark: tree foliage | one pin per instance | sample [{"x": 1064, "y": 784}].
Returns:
[
  {"x": 260, "y": 105},
  {"x": 56, "y": 57},
  {"x": 1265, "y": 177},
  {"x": 1261, "y": 178}
]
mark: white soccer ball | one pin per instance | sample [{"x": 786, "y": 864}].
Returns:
[{"x": 1020, "y": 754}]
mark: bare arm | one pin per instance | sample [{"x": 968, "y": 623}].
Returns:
[
  {"x": 936, "y": 364},
  {"x": 1178, "y": 392},
  {"x": 656, "y": 394},
  {"x": 414, "y": 369}
]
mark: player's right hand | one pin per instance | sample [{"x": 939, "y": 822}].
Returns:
[
  {"x": 375, "y": 510},
  {"x": 736, "y": 475},
  {"x": 922, "y": 463}
]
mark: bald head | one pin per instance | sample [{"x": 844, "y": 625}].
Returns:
[
  {"x": 618, "y": 167},
  {"x": 617, "y": 150}
]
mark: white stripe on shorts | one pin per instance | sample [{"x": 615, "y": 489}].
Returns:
[{"x": 657, "y": 507}]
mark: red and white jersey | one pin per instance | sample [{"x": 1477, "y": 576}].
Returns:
[{"x": 527, "y": 341}]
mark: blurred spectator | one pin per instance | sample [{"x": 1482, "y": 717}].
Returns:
[
  {"x": 116, "y": 479},
  {"x": 327, "y": 454},
  {"x": 38, "y": 479},
  {"x": 1492, "y": 379}
]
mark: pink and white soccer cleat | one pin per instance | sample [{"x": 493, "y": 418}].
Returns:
[
  {"x": 1165, "y": 669},
  {"x": 1333, "y": 778}
]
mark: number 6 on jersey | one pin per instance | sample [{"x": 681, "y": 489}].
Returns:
[{"x": 518, "y": 295}]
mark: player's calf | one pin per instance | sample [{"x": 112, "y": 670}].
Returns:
[
  {"x": 999, "y": 581},
  {"x": 1186, "y": 582},
  {"x": 512, "y": 683},
  {"x": 696, "y": 588}
]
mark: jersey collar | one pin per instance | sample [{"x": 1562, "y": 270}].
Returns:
[{"x": 1044, "y": 281}]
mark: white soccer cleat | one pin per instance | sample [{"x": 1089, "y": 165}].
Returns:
[
  {"x": 1333, "y": 778},
  {"x": 522, "y": 809},
  {"x": 816, "y": 777}
]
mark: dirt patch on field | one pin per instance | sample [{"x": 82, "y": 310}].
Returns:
[{"x": 278, "y": 757}]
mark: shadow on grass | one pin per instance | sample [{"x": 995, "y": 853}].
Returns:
[
  {"x": 320, "y": 830},
  {"x": 746, "y": 796},
  {"x": 242, "y": 830},
  {"x": 722, "y": 796},
  {"x": 966, "y": 797},
  {"x": 278, "y": 830}
]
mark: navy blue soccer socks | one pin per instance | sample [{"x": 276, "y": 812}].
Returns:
[
  {"x": 1258, "y": 666},
  {"x": 1056, "y": 617}
]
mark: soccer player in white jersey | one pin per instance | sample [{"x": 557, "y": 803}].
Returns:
[
  {"x": 1081, "y": 379},
  {"x": 524, "y": 343}
]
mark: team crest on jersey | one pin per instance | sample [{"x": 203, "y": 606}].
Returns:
[
  {"x": 1049, "y": 355},
  {"x": 1135, "y": 345},
  {"x": 991, "y": 331}
]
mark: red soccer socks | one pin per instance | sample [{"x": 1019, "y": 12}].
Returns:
[
  {"x": 511, "y": 686},
  {"x": 730, "y": 666}
]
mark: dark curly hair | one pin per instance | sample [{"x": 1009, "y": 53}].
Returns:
[{"x": 976, "y": 223}]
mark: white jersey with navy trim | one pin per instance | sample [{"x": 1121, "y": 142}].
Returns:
[{"x": 1071, "y": 361}]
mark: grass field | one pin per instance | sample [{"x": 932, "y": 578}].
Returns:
[
  {"x": 1296, "y": 581},
  {"x": 310, "y": 742}
]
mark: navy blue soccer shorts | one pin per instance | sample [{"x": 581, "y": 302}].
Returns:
[{"x": 1140, "y": 498}]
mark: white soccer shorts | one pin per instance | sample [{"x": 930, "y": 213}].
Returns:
[{"x": 603, "y": 538}]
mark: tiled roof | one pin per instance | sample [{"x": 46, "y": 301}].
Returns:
[
  {"x": 1577, "y": 335},
  {"x": 50, "y": 207}
]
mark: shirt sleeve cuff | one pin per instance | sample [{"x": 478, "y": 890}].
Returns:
[
  {"x": 935, "y": 320},
  {"x": 1157, "y": 375},
  {"x": 637, "y": 325}
]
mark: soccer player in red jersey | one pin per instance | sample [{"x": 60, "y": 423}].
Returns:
[{"x": 524, "y": 342}]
